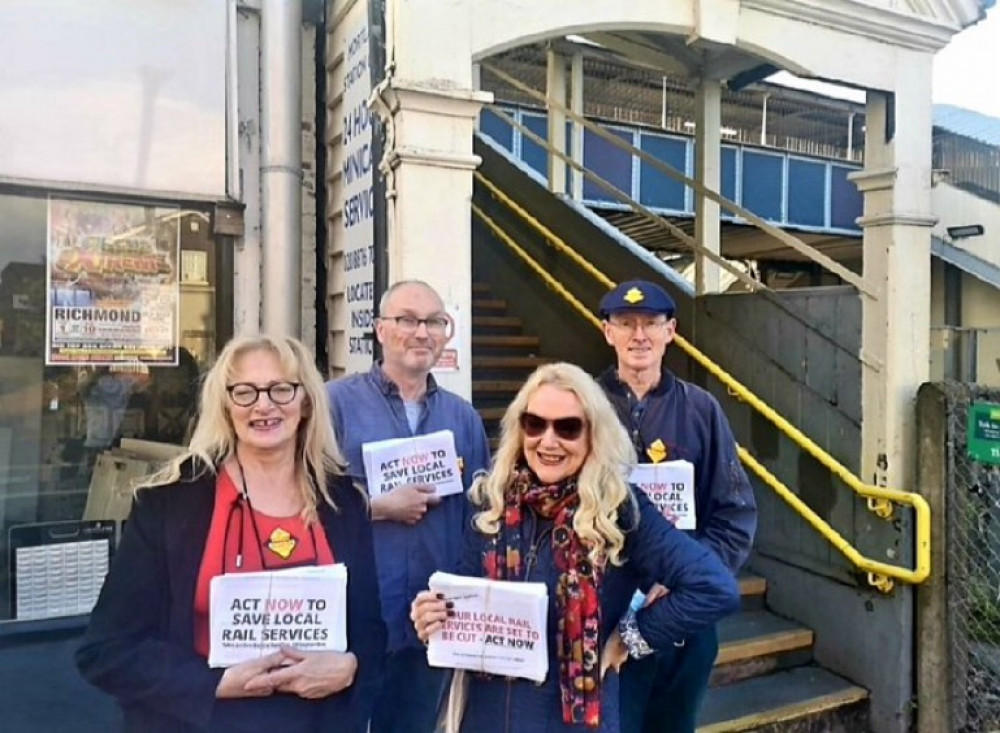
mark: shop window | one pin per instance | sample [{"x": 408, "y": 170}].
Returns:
[{"x": 107, "y": 320}]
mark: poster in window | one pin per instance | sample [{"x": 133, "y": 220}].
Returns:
[{"x": 112, "y": 283}]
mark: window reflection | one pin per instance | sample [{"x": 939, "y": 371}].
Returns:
[{"x": 57, "y": 422}]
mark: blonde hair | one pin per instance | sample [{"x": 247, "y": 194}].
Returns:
[
  {"x": 213, "y": 441},
  {"x": 603, "y": 480}
]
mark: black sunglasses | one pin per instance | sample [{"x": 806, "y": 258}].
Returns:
[{"x": 567, "y": 428}]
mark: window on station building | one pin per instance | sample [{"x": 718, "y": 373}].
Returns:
[{"x": 107, "y": 319}]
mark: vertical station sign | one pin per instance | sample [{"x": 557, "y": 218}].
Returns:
[{"x": 359, "y": 200}]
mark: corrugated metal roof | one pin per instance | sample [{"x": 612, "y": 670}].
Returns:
[{"x": 967, "y": 123}]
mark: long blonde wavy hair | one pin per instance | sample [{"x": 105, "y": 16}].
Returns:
[
  {"x": 213, "y": 441},
  {"x": 603, "y": 480}
]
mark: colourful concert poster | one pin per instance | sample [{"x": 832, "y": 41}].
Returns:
[{"x": 112, "y": 282}]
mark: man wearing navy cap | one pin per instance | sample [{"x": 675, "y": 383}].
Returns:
[{"x": 669, "y": 419}]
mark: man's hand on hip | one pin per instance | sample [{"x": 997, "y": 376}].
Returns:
[{"x": 407, "y": 504}]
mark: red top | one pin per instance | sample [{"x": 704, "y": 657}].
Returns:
[{"x": 284, "y": 542}]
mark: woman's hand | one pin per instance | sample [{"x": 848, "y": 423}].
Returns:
[
  {"x": 249, "y": 679},
  {"x": 655, "y": 593},
  {"x": 614, "y": 654},
  {"x": 310, "y": 675},
  {"x": 428, "y": 612}
]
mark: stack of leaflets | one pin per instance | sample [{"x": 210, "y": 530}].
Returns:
[
  {"x": 254, "y": 614},
  {"x": 422, "y": 459},
  {"x": 498, "y": 627},
  {"x": 670, "y": 486}
]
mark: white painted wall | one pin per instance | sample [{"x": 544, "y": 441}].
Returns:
[
  {"x": 309, "y": 284},
  {"x": 956, "y": 207},
  {"x": 115, "y": 95}
]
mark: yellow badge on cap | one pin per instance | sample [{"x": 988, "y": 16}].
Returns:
[
  {"x": 657, "y": 451},
  {"x": 634, "y": 296}
]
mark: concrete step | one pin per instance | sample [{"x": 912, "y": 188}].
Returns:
[
  {"x": 757, "y": 642},
  {"x": 801, "y": 700},
  {"x": 483, "y": 325},
  {"x": 490, "y": 306},
  {"x": 505, "y": 345},
  {"x": 493, "y": 386},
  {"x": 752, "y": 591},
  {"x": 499, "y": 367},
  {"x": 527, "y": 363},
  {"x": 491, "y": 414}
]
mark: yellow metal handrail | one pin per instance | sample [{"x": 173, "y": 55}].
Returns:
[{"x": 879, "y": 499}]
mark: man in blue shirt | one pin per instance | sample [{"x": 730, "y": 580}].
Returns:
[
  {"x": 416, "y": 532},
  {"x": 670, "y": 419}
]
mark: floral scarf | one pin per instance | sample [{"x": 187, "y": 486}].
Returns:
[{"x": 577, "y": 602}]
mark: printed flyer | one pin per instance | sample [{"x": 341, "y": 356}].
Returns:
[
  {"x": 423, "y": 459},
  {"x": 254, "y": 614},
  {"x": 112, "y": 283},
  {"x": 670, "y": 486},
  {"x": 499, "y": 627}
]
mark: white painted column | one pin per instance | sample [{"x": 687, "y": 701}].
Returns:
[
  {"x": 247, "y": 258},
  {"x": 708, "y": 172},
  {"x": 555, "y": 91},
  {"x": 428, "y": 164},
  {"x": 576, "y": 104},
  {"x": 897, "y": 221}
]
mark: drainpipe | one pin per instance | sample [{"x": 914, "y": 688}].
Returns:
[{"x": 281, "y": 165}]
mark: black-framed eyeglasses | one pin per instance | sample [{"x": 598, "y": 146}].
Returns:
[
  {"x": 566, "y": 428},
  {"x": 437, "y": 325},
  {"x": 245, "y": 394}
]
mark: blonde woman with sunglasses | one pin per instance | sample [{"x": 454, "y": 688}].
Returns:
[{"x": 557, "y": 508}]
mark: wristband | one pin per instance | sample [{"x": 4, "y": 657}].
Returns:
[{"x": 628, "y": 629}]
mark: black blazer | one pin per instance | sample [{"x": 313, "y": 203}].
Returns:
[{"x": 139, "y": 646}]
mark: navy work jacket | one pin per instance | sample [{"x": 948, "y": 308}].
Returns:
[{"x": 692, "y": 426}]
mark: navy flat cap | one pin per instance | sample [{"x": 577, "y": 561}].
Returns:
[{"x": 637, "y": 296}]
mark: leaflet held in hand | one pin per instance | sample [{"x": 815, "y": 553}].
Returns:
[
  {"x": 498, "y": 627},
  {"x": 423, "y": 459},
  {"x": 670, "y": 486},
  {"x": 254, "y": 614}
]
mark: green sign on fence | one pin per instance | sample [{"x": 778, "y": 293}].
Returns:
[{"x": 984, "y": 432}]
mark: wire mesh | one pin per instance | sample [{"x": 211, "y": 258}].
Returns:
[
  {"x": 765, "y": 115},
  {"x": 973, "y": 538}
]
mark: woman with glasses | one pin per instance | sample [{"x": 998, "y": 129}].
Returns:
[
  {"x": 260, "y": 488},
  {"x": 556, "y": 508}
]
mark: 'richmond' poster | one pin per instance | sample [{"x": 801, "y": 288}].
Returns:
[{"x": 112, "y": 283}]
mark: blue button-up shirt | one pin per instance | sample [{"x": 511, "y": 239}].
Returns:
[{"x": 367, "y": 408}]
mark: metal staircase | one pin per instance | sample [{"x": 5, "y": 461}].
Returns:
[{"x": 765, "y": 678}]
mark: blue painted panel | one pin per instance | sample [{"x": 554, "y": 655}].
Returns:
[
  {"x": 490, "y": 124},
  {"x": 846, "y": 202},
  {"x": 609, "y": 162},
  {"x": 761, "y": 181},
  {"x": 655, "y": 187},
  {"x": 806, "y": 193},
  {"x": 531, "y": 152},
  {"x": 728, "y": 176}
]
